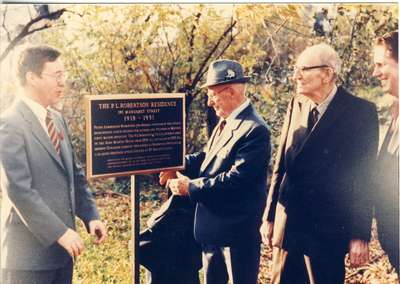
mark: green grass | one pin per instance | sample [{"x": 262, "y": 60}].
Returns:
[{"x": 109, "y": 262}]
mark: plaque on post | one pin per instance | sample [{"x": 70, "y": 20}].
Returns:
[{"x": 134, "y": 134}]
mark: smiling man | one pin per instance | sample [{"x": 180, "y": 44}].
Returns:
[
  {"x": 227, "y": 181},
  {"x": 318, "y": 205},
  {"x": 386, "y": 69},
  {"x": 43, "y": 187}
]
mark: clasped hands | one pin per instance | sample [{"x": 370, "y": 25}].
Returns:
[
  {"x": 73, "y": 243},
  {"x": 175, "y": 181}
]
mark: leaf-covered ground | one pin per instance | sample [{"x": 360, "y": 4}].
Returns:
[
  {"x": 377, "y": 271},
  {"x": 109, "y": 262}
]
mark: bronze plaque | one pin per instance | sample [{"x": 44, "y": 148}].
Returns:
[{"x": 134, "y": 134}]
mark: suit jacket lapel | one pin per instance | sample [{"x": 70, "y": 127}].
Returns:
[
  {"x": 391, "y": 140},
  {"x": 212, "y": 138},
  {"x": 66, "y": 151},
  {"x": 334, "y": 110},
  {"x": 296, "y": 128},
  {"x": 227, "y": 134},
  {"x": 39, "y": 132},
  {"x": 285, "y": 130}
]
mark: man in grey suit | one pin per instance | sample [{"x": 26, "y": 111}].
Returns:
[
  {"x": 227, "y": 181},
  {"x": 43, "y": 187},
  {"x": 319, "y": 203}
]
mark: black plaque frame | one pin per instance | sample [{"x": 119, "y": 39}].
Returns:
[{"x": 136, "y": 104}]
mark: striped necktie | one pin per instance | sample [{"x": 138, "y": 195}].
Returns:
[{"x": 55, "y": 140}]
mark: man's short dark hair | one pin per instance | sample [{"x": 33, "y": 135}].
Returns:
[
  {"x": 32, "y": 59},
  {"x": 391, "y": 42}
]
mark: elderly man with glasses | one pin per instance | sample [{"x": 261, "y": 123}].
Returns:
[{"x": 318, "y": 205}]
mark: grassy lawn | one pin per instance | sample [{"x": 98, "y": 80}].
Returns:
[{"x": 109, "y": 262}]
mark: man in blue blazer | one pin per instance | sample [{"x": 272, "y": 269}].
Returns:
[
  {"x": 227, "y": 180},
  {"x": 42, "y": 186}
]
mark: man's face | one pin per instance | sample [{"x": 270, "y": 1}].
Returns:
[
  {"x": 308, "y": 82},
  {"x": 220, "y": 98},
  {"x": 49, "y": 85},
  {"x": 386, "y": 70}
]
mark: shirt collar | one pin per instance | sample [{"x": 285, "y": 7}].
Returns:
[
  {"x": 238, "y": 110},
  {"x": 39, "y": 111},
  {"x": 322, "y": 107}
]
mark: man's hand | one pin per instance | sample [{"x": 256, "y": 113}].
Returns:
[
  {"x": 267, "y": 231},
  {"x": 180, "y": 185},
  {"x": 358, "y": 252},
  {"x": 72, "y": 243},
  {"x": 97, "y": 229},
  {"x": 165, "y": 176}
]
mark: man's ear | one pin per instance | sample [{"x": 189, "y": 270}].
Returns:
[
  {"x": 231, "y": 92},
  {"x": 31, "y": 78},
  {"x": 330, "y": 75}
]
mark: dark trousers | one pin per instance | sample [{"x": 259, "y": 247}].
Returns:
[
  {"x": 61, "y": 275},
  {"x": 388, "y": 232},
  {"x": 296, "y": 268},
  {"x": 178, "y": 276},
  {"x": 239, "y": 263},
  {"x": 169, "y": 261}
]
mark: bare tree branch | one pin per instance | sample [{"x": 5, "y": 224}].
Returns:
[
  {"x": 168, "y": 43},
  {"x": 191, "y": 48},
  {"x": 228, "y": 44},
  {"x": 148, "y": 78},
  {"x": 171, "y": 77},
  {"x": 4, "y": 23},
  {"x": 210, "y": 54},
  {"x": 349, "y": 47},
  {"x": 29, "y": 12},
  {"x": 287, "y": 28},
  {"x": 27, "y": 31},
  {"x": 46, "y": 26},
  {"x": 112, "y": 63},
  {"x": 183, "y": 20},
  {"x": 273, "y": 46}
]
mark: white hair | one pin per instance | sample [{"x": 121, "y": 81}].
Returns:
[{"x": 326, "y": 54}]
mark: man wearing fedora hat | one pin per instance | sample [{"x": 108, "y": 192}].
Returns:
[{"x": 227, "y": 180}]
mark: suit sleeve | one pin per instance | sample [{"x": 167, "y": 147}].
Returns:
[
  {"x": 366, "y": 147},
  {"x": 85, "y": 206},
  {"x": 252, "y": 156},
  {"x": 278, "y": 170},
  {"x": 16, "y": 183},
  {"x": 193, "y": 163}
]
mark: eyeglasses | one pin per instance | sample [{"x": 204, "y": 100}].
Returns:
[
  {"x": 213, "y": 94},
  {"x": 59, "y": 76},
  {"x": 301, "y": 69}
]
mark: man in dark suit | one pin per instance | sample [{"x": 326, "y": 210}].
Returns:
[
  {"x": 43, "y": 188},
  {"x": 386, "y": 69},
  {"x": 319, "y": 203},
  {"x": 227, "y": 181},
  {"x": 167, "y": 248}
]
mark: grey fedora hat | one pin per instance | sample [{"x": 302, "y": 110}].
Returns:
[{"x": 224, "y": 71}]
